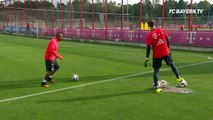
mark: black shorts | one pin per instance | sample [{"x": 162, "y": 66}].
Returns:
[
  {"x": 157, "y": 62},
  {"x": 51, "y": 65}
]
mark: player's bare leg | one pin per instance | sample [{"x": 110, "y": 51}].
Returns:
[
  {"x": 49, "y": 75},
  {"x": 44, "y": 81}
]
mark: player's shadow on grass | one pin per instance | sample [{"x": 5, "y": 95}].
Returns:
[
  {"x": 19, "y": 84},
  {"x": 98, "y": 97}
]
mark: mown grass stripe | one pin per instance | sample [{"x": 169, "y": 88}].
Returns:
[{"x": 93, "y": 83}]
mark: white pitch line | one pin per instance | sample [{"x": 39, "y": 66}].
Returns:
[
  {"x": 88, "y": 84},
  {"x": 195, "y": 64},
  {"x": 183, "y": 55}
]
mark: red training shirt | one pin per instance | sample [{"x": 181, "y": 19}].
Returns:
[
  {"x": 52, "y": 49},
  {"x": 157, "y": 39}
]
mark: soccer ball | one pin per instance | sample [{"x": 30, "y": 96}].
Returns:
[
  {"x": 163, "y": 83},
  {"x": 75, "y": 77},
  {"x": 182, "y": 83},
  {"x": 159, "y": 84}
]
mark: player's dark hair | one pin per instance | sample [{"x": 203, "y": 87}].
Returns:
[
  {"x": 59, "y": 34},
  {"x": 151, "y": 23}
]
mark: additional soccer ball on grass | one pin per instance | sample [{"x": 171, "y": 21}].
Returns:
[
  {"x": 75, "y": 77},
  {"x": 163, "y": 83},
  {"x": 159, "y": 85},
  {"x": 182, "y": 83}
]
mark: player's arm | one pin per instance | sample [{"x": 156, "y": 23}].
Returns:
[
  {"x": 168, "y": 42},
  {"x": 57, "y": 55},
  {"x": 167, "y": 39},
  {"x": 148, "y": 49},
  {"x": 54, "y": 52},
  {"x": 168, "y": 45}
]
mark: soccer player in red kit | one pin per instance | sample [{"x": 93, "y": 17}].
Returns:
[
  {"x": 50, "y": 59},
  {"x": 27, "y": 28},
  {"x": 157, "y": 39}
]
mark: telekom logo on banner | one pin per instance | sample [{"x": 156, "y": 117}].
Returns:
[
  {"x": 131, "y": 34},
  {"x": 110, "y": 33},
  {"x": 191, "y": 36}
]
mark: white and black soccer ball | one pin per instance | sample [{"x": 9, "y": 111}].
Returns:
[
  {"x": 163, "y": 83},
  {"x": 182, "y": 83},
  {"x": 159, "y": 85},
  {"x": 75, "y": 77}
]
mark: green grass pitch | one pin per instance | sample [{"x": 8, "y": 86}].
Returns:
[{"x": 113, "y": 85}]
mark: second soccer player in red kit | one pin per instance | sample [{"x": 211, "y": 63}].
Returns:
[
  {"x": 157, "y": 40},
  {"x": 50, "y": 59}
]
